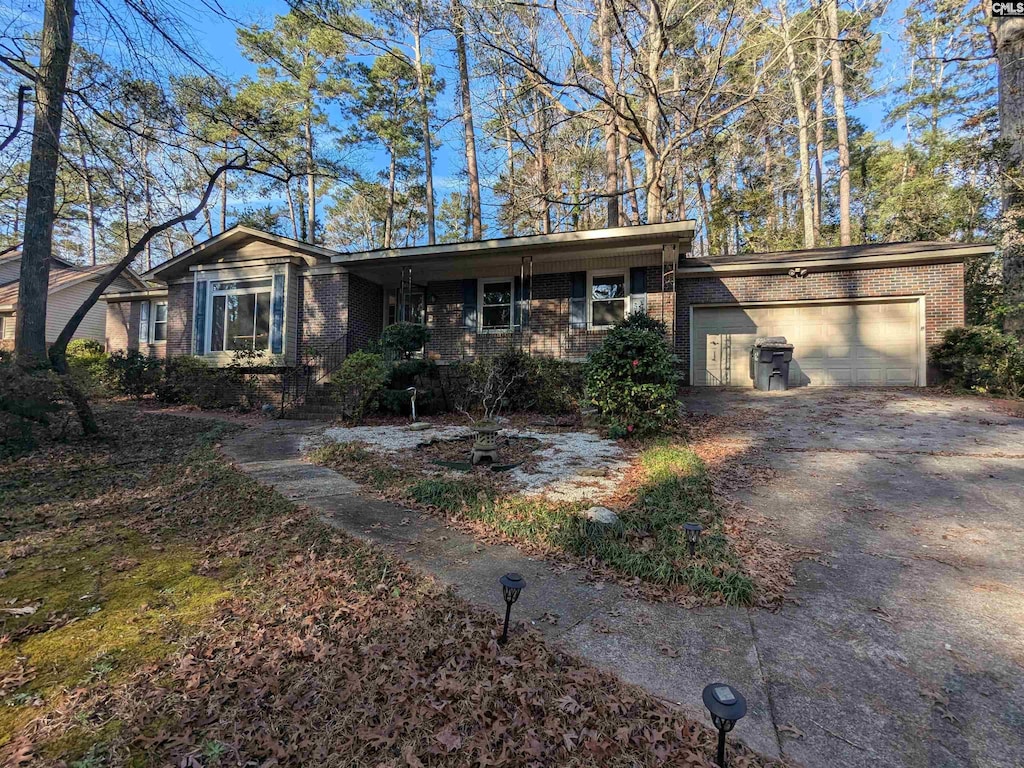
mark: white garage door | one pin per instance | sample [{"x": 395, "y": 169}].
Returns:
[{"x": 871, "y": 343}]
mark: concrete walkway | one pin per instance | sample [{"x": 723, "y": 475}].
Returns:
[
  {"x": 670, "y": 651},
  {"x": 900, "y": 645}
]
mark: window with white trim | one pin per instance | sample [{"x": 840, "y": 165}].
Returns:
[
  {"x": 495, "y": 300},
  {"x": 240, "y": 315},
  {"x": 608, "y": 299},
  {"x": 153, "y": 322},
  {"x": 6, "y": 327},
  {"x": 159, "y": 313}
]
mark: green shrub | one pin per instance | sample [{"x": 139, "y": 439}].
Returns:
[
  {"x": 84, "y": 347},
  {"x": 404, "y": 338},
  {"x": 189, "y": 380},
  {"x": 557, "y": 385},
  {"x": 631, "y": 379},
  {"x": 88, "y": 365},
  {"x": 981, "y": 358},
  {"x": 359, "y": 382},
  {"x": 540, "y": 384},
  {"x": 134, "y": 374},
  {"x": 641, "y": 320}
]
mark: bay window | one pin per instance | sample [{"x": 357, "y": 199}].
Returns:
[{"x": 240, "y": 315}]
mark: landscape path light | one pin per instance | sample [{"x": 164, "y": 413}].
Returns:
[
  {"x": 726, "y": 706},
  {"x": 511, "y": 585},
  {"x": 692, "y": 534}
]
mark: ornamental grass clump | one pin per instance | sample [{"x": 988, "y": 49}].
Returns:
[{"x": 631, "y": 378}]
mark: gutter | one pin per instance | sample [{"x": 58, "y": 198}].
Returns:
[{"x": 943, "y": 256}]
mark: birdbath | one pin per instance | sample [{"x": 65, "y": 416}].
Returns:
[{"x": 486, "y": 446}]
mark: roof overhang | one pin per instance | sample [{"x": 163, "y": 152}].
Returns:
[
  {"x": 554, "y": 246},
  {"x": 152, "y": 293},
  {"x": 832, "y": 260},
  {"x": 207, "y": 251}
]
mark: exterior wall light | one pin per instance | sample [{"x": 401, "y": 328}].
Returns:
[
  {"x": 511, "y": 585},
  {"x": 726, "y": 706}
]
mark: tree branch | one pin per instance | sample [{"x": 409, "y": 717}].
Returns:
[{"x": 22, "y": 94}]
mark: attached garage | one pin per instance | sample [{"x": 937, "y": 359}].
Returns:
[
  {"x": 862, "y": 315},
  {"x": 852, "y": 343}
]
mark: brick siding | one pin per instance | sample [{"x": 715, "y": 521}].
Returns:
[
  {"x": 122, "y": 329},
  {"x": 365, "y": 312},
  {"x": 942, "y": 285},
  {"x": 547, "y": 334},
  {"x": 179, "y": 319},
  {"x": 323, "y": 311}
]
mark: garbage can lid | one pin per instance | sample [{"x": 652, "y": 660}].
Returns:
[{"x": 772, "y": 341}]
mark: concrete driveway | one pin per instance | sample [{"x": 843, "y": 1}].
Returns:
[{"x": 903, "y": 642}]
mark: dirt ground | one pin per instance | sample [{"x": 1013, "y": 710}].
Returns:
[{"x": 901, "y": 643}]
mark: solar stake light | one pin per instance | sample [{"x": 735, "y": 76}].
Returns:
[
  {"x": 511, "y": 585},
  {"x": 726, "y": 706},
  {"x": 692, "y": 534}
]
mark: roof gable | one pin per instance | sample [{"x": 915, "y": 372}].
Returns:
[{"x": 235, "y": 240}]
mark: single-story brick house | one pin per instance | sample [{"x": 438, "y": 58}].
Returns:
[{"x": 860, "y": 315}]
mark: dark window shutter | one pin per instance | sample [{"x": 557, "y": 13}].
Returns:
[
  {"x": 199, "y": 324},
  {"x": 277, "y": 316},
  {"x": 638, "y": 289},
  {"x": 469, "y": 321},
  {"x": 578, "y": 300}
]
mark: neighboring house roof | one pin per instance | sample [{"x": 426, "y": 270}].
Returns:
[
  {"x": 61, "y": 279},
  {"x": 12, "y": 252},
  {"x": 875, "y": 254}
]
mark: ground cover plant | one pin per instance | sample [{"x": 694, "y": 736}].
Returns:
[
  {"x": 163, "y": 608},
  {"x": 667, "y": 487}
]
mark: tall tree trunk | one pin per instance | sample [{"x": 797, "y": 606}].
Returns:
[
  {"x": 90, "y": 203},
  {"x": 506, "y": 126},
  {"x": 653, "y": 168},
  {"x": 428, "y": 152},
  {"x": 389, "y": 215},
  {"x": 819, "y": 119},
  {"x": 147, "y": 198},
  {"x": 51, "y": 83},
  {"x": 310, "y": 177},
  {"x": 796, "y": 83},
  {"x": 224, "y": 196},
  {"x": 842, "y": 136},
  {"x": 611, "y": 137},
  {"x": 1008, "y": 39},
  {"x": 291, "y": 209},
  {"x": 632, "y": 216},
  {"x": 475, "y": 214}
]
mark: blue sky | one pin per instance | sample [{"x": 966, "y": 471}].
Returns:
[{"x": 216, "y": 36}]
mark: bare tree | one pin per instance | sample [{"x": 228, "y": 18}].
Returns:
[
  {"x": 51, "y": 82},
  {"x": 842, "y": 133}
]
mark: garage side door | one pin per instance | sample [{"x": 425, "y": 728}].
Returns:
[{"x": 853, "y": 343}]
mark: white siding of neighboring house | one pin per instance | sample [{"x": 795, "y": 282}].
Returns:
[
  {"x": 61, "y": 305},
  {"x": 10, "y": 271}
]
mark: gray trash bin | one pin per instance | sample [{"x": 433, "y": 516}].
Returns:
[{"x": 769, "y": 363}]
